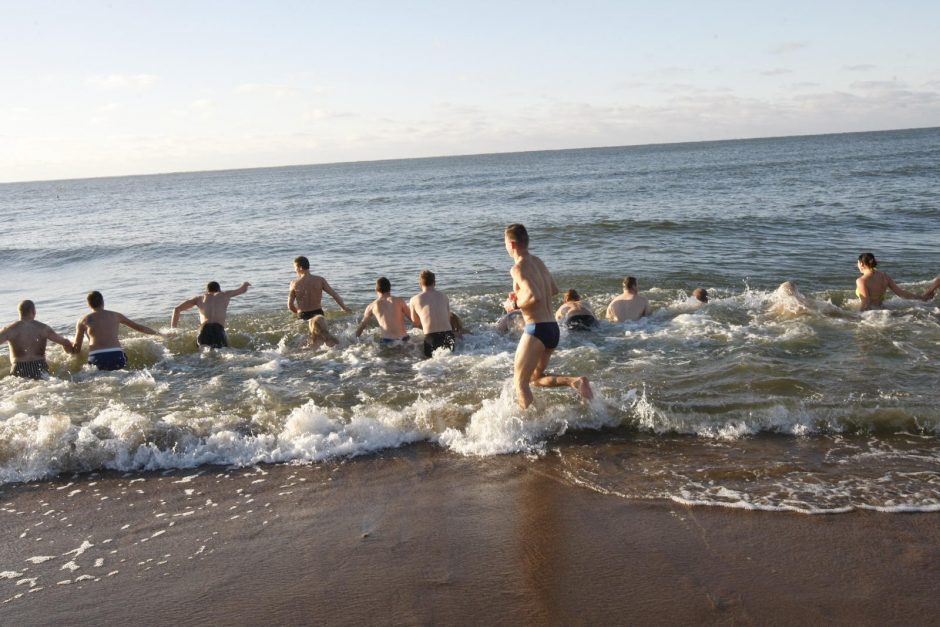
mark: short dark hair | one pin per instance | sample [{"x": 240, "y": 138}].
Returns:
[
  {"x": 868, "y": 260},
  {"x": 303, "y": 262},
  {"x": 701, "y": 294},
  {"x": 517, "y": 233},
  {"x": 572, "y": 295},
  {"x": 27, "y": 307},
  {"x": 427, "y": 278},
  {"x": 213, "y": 286},
  {"x": 95, "y": 300},
  {"x": 629, "y": 283},
  {"x": 383, "y": 285}
]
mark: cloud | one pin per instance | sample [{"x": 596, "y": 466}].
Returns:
[
  {"x": 277, "y": 90},
  {"x": 123, "y": 81},
  {"x": 861, "y": 67},
  {"x": 777, "y": 71},
  {"x": 876, "y": 85},
  {"x": 787, "y": 46}
]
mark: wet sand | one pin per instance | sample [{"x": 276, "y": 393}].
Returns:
[{"x": 423, "y": 536}]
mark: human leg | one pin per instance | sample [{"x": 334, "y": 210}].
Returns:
[{"x": 528, "y": 355}]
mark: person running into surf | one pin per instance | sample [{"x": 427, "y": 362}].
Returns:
[
  {"x": 27, "y": 338},
  {"x": 212, "y": 305},
  {"x": 101, "y": 327},
  {"x": 430, "y": 312},
  {"x": 631, "y": 305},
  {"x": 574, "y": 313},
  {"x": 389, "y": 311},
  {"x": 306, "y": 292},
  {"x": 320, "y": 333},
  {"x": 872, "y": 286},
  {"x": 534, "y": 288}
]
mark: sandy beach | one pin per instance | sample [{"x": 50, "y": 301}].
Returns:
[{"x": 423, "y": 536}]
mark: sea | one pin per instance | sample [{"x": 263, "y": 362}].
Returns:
[{"x": 757, "y": 400}]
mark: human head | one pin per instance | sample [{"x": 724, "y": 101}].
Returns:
[
  {"x": 27, "y": 309},
  {"x": 302, "y": 262},
  {"x": 516, "y": 238},
  {"x": 629, "y": 284},
  {"x": 383, "y": 285},
  {"x": 213, "y": 287},
  {"x": 95, "y": 300},
  {"x": 317, "y": 325},
  {"x": 427, "y": 278},
  {"x": 867, "y": 260},
  {"x": 700, "y": 294},
  {"x": 572, "y": 296}
]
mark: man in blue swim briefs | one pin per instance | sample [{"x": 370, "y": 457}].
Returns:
[
  {"x": 389, "y": 311},
  {"x": 212, "y": 305},
  {"x": 534, "y": 288},
  {"x": 101, "y": 327},
  {"x": 306, "y": 292}
]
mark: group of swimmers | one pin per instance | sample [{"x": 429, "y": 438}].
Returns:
[{"x": 528, "y": 306}]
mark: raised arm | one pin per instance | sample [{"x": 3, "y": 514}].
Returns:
[
  {"x": 238, "y": 291},
  {"x": 366, "y": 316},
  {"x": 183, "y": 306},
  {"x": 339, "y": 301},
  {"x": 136, "y": 325},
  {"x": 900, "y": 291}
]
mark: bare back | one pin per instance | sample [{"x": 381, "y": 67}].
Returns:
[
  {"x": 102, "y": 329},
  {"x": 27, "y": 340},
  {"x": 534, "y": 288},
  {"x": 874, "y": 286},
  {"x": 390, "y": 312},
  {"x": 213, "y": 306},
  {"x": 432, "y": 310},
  {"x": 306, "y": 292},
  {"x": 627, "y": 307}
]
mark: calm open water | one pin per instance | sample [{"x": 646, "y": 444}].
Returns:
[{"x": 756, "y": 400}]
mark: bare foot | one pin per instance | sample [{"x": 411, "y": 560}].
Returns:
[{"x": 583, "y": 387}]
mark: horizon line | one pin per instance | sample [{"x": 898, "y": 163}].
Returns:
[{"x": 461, "y": 155}]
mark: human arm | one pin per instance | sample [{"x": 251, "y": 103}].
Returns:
[
  {"x": 610, "y": 312},
  {"x": 58, "y": 339},
  {"x": 526, "y": 295},
  {"x": 238, "y": 291},
  {"x": 339, "y": 301},
  {"x": 366, "y": 316},
  {"x": 900, "y": 291},
  {"x": 140, "y": 328},
  {"x": 413, "y": 314},
  {"x": 183, "y": 306},
  {"x": 932, "y": 290},
  {"x": 647, "y": 309},
  {"x": 560, "y": 313},
  {"x": 291, "y": 297},
  {"x": 80, "y": 329},
  {"x": 862, "y": 290}
]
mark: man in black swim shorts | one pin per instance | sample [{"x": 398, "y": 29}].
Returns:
[
  {"x": 27, "y": 338},
  {"x": 306, "y": 292},
  {"x": 534, "y": 288},
  {"x": 430, "y": 312},
  {"x": 213, "y": 306}
]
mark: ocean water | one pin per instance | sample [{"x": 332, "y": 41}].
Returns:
[{"x": 757, "y": 400}]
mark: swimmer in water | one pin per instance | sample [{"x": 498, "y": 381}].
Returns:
[
  {"x": 430, "y": 312},
  {"x": 213, "y": 306},
  {"x": 574, "y": 313},
  {"x": 631, "y": 305},
  {"x": 320, "y": 333},
  {"x": 389, "y": 311},
  {"x": 512, "y": 321},
  {"x": 306, "y": 292},
  {"x": 700, "y": 294},
  {"x": 27, "y": 338},
  {"x": 872, "y": 286},
  {"x": 534, "y": 288},
  {"x": 101, "y": 327}
]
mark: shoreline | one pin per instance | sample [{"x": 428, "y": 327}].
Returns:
[{"x": 421, "y": 535}]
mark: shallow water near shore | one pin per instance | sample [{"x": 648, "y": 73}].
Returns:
[{"x": 757, "y": 400}]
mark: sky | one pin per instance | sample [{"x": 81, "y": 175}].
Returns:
[{"x": 91, "y": 88}]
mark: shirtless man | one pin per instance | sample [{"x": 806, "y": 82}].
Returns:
[
  {"x": 213, "y": 305},
  {"x": 27, "y": 338},
  {"x": 534, "y": 287},
  {"x": 306, "y": 291},
  {"x": 101, "y": 327},
  {"x": 630, "y": 305},
  {"x": 389, "y": 311},
  {"x": 430, "y": 312}
]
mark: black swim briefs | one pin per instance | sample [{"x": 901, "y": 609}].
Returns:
[
  {"x": 306, "y": 315},
  {"x": 212, "y": 334},
  {"x": 433, "y": 341},
  {"x": 30, "y": 369}
]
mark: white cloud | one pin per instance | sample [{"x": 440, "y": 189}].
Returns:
[
  {"x": 777, "y": 71},
  {"x": 123, "y": 81},
  {"x": 277, "y": 90},
  {"x": 861, "y": 67},
  {"x": 787, "y": 46}
]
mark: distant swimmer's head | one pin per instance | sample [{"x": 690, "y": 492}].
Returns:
[
  {"x": 867, "y": 260},
  {"x": 213, "y": 287},
  {"x": 427, "y": 278},
  {"x": 27, "y": 309},
  {"x": 788, "y": 288},
  {"x": 383, "y": 285},
  {"x": 700, "y": 294},
  {"x": 301, "y": 263},
  {"x": 572, "y": 296},
  {"x": 517, "y": 238},
  {"x": 95, "y": 300},
  {"x": 629, "y": 284}
]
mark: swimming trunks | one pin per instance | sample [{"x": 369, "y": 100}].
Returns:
[
  {"x": 433, "y": 341},
  {"x": 306, "y": 315},
  {"x": 547, "y": 333},
  {"x": 212, "y": 334},
  {"x": 36, "y": 369},
  {"x": 108, "y": 359},
  {"x": 581, "y": 322},
  {"x": 391, "y": 340}
]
